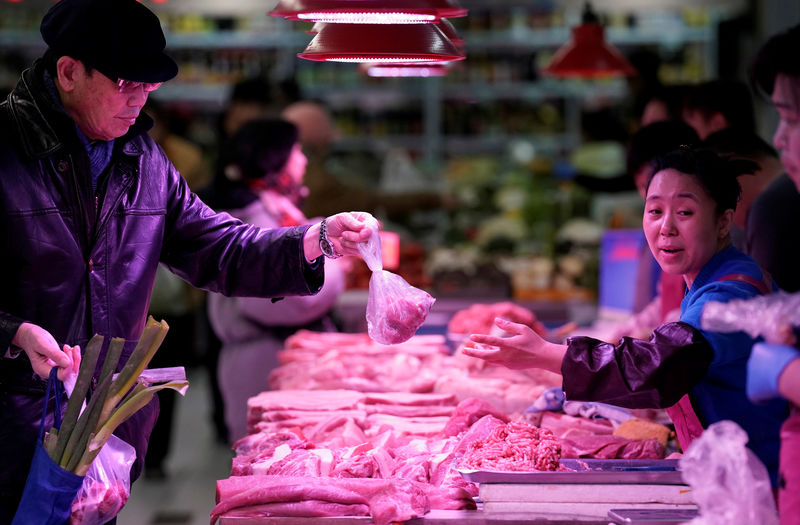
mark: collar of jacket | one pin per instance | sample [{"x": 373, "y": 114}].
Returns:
[{"x": 43, "y": 129}]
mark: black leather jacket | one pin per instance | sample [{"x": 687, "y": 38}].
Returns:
[{"x": 79, "y": 263}]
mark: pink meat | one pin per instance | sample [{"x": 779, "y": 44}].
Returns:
[
  {"x": 388, "y": 500},
  {"x": 395, "y": 309},
  {"x": 409, "y": 399},
  {"x": 467, "y": 413},
  {"x": 449, "y": 498},
  {"x": 516, "y": 446},
  {"x": 561, "y": 424},
  {"x": 480, "y": 430},
  {"x": 479, "y": 318},
  {"x": 308, "y": 508},
  {"x": 583, "y": 445}
]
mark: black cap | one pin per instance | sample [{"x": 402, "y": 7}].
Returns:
[{"x": 119, "y": 38}]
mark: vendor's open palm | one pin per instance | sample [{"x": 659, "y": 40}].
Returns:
[{"x": 522, "y": 348}]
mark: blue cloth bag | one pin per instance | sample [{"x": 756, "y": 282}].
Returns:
[{"x": 49, "y": 489}]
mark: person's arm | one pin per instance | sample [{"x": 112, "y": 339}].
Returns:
[
  {"x": 345, "y": 230},
  {"x": 9, "y": 325},
  {"x": 44, "y": 353},
  {"x": 296, "y": 310},
  {"x": 773, "y": 370},
  {"x": 217, "y": 252},
  {"x": 632, "y": 373},
  {"x": 635, "y": 373},
  {"x": 522, "y": 348}
]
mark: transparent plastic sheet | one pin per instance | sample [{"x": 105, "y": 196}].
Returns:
[
  {"x": 395, "y": 309},
  {"x": 729, "y": 483},
  {"x": 760, "y": 316},
  {"x": 107, "y": 485}
]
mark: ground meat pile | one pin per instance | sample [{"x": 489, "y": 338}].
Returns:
[{"x": 517, "y": 446}]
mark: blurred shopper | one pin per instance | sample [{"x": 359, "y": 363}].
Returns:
[
  {"x": 773, "y": 239},
  {"x": 698, "y": 375},
  {"x": 664, "y": 103},
  {"x": 741, "y": 143},
  {"x": 718, "y": 104},
  {"x": 326, "y": 191},
  {"x": 260, "y": 181},
  {"x": 91, "y": 206}
]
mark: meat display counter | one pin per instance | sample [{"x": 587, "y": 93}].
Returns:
[{"x": 434, "y": 517}]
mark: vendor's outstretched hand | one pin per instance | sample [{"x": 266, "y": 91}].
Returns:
[
  {"x": 44, "y": 353},
  {"x": 521, "y": 348}
]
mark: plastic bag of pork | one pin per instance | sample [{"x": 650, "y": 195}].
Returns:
[{"x": 395, "y": 309}]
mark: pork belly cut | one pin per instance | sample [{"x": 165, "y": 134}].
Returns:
[{"x": 388, "y": 499}]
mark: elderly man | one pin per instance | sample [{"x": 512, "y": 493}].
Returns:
[{"x": 91, "y": 206}]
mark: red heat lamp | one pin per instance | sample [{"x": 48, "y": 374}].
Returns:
[
  {"x": 367, "y": 12},
  {"x": 387, "y": 44},
  {"x": 450, "y": 32},
  {"x": 587, "y": 54}
]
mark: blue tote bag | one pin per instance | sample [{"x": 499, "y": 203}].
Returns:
[{"x": 49, "y": 489}]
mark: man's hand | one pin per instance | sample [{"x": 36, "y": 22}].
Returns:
[
  {"x": 44, "y": 353},
  {"x": 345, "y": 230}
]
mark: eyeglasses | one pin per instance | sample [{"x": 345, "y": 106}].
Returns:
[{"x": 129, "y": 86}]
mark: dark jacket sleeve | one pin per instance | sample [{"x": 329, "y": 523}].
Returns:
[
  {"x": 636, "y": 373},
  {"x": 218, "y": 252},
  {"x": 8, "y": 329}
]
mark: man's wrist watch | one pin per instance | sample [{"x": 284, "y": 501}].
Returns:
[{"x": 325, "y": 244}]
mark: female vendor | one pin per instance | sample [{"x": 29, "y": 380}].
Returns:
[{"x": 698, "y": 375}]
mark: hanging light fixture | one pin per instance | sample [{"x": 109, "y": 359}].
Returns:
[
  {"x": 450, "y": 32},
  {"x": 368, "y": 11},
  {"x": 587, "y": 54},
  {"x": 405, "y": 44}
]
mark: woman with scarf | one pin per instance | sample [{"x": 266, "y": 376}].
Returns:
[{"x": 260, "y": 181}]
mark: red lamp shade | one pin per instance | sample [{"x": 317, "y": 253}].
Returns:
[
  {"x": 450, "y": 32},
  {"x": 406, "y": 43},
  {"x": 587, "y": 55},
  {"x": 368, "y": 11}
]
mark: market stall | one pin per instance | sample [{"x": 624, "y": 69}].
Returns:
[{"x": 346, "y": 410}]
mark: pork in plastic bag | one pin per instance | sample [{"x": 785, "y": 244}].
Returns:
[
  {"x": 729, "y": 483},
  {"x": 395, "y": 309},
  {"x": 763, "y": 315},
  {"x": 107, "y": 485}
]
